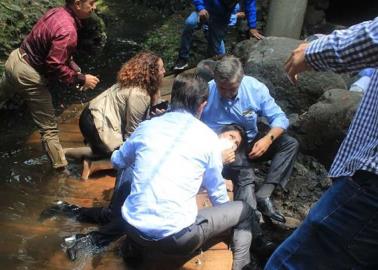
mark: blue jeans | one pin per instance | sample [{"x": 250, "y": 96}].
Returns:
[
  {"x": 340, "y": 232},
  {"x": 217, "y": 28}
]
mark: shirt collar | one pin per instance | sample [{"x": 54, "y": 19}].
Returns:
[
  {"x": 227, "y": 100},
  {"x": 73, "y": 15}
]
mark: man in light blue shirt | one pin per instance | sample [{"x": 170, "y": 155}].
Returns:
[
  {"x": 240, "y": 99},
  {"x": 171, "y": 157}
]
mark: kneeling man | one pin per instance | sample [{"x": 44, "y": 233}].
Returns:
[{"x": 172, "y": 156}]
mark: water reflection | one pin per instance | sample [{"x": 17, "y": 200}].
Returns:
[{"x": 28, "y": 185}]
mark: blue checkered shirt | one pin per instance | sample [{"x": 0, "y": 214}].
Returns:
[{"x": 344, "y": 51}]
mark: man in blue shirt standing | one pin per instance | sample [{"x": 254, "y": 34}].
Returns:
[
  {"x": 171, "y": 156},
  {"x": 240, "y": 99},
  {"x": 341, "y": 230},
  {"x": 216, "y": 14}
]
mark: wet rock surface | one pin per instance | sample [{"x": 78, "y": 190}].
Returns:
[{"x": 322, "y": 128}]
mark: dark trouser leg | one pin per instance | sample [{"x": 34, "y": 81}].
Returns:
[
  {"x": 340, "y": 232},
  {"x": 216, "y": 33},
  {"x": 109, "y": 232},
  {"x": 235, "y": 215},
  {"x": 103, "y": 215},
  {"x": 90, "y": 134},
  {"x": 283, "y": 153},
  {"x": 242, "y": 175},
  {"x": 210, "y": 222}
]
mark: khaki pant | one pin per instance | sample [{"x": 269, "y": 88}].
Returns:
[{"x": 20, "y": 77}]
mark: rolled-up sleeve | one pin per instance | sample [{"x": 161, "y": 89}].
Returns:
[
  {"x": 346, "y": 50},
  {"x": 125, "y": 156},
  {"x": 270, "y": 110}
]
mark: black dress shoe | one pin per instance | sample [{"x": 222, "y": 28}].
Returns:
[
  {"x": 131, "y": 253},
  {"x": 265, "y": 206},
  {"x": 60, "y": 208},
  {"x": 263, "y": 247}
]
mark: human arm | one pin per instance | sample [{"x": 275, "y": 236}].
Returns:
[
  {"x": 136, "y": 107},
  {"x": 347, "y": 50},
  {"x": 213, "y": 180},
  {"x": 263, "y": 144},
  {"x": 201, "y": 9},
  {"x": 275, "y": 117},
  {"x": 124, "y": 156},
  {"x": 58, "y": 63},
  {"x": 250, "y": 12}
]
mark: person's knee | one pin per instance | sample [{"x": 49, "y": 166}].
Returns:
[
  {"x": 247, "y": 211},
  {"x": 292, "y": 143}
]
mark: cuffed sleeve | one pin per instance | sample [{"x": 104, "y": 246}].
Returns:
[
  {"x": 123, "y": 157},
  {"x": 346, "y": 50}
]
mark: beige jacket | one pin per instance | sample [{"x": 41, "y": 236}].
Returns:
[{"x": 117, "y": 112}]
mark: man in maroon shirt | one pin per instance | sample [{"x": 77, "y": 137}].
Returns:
[{"x": 46, "y": 55}]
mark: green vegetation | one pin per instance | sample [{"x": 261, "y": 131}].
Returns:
[
  {"x": 17, "y": 17},
  {"x": 165, "y": 40}
]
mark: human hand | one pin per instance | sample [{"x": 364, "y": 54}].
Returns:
[
  {"x": 204, "y": 15},
  {"x": 253, "y": 33},
  {"x": 157, "y": 112},
  {"x": 228, "y": 156},
  {"x": 240, "y": 15},
  {"x": 90, "y": 82},
  {"x": 296, "y": 63},
  {"x": 260, "y": 147}
]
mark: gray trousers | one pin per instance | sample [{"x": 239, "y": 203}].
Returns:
[
  {"x": 20, "y": 77},
  {"x": 210, "y": 222}
]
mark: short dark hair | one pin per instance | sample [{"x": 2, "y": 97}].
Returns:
[
  {"x": 188, "y": 92},
  {"x": 236, "y": 127},
  {"x": 205, "y": 69}
]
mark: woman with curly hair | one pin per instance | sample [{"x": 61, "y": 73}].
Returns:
[{"x": 113, "y": 115}]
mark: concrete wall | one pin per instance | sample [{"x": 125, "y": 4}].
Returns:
[{"x": 285, "y": 18}]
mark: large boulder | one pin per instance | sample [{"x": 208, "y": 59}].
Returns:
[
  {"x": 265, "y": 60},
  {"x": 321, "y": 130},
  {"x": 307, "y": 183}
]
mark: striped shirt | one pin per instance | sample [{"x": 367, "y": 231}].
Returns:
[{"x": 344, "y": 51}]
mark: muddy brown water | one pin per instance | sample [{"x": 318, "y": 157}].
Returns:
[{"x": 28, "y": 185}]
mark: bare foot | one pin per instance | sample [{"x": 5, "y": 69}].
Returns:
[{"x": 86, "y": 169}]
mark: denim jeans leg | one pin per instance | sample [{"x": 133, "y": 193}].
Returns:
[
  {"x": 340, "y": 232},
  {"x": 191, "y": 23},
  {"x": 217, "y": 32}
]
